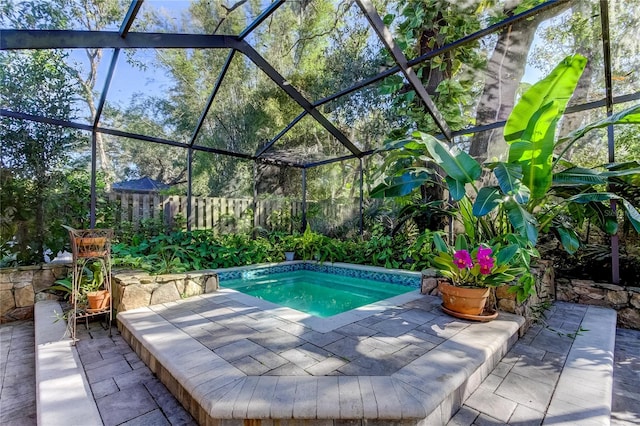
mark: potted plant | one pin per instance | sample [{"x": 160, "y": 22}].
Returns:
[
  {"x": 289, "y": 244},
  {"x": 92, "y": 287},
  {"x": 91, "y": 295},
  {"x": 472, "y": 271}
]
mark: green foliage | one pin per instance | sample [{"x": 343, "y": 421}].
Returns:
[
  {"x": 66, "y": 202},
  {"x": 33, "y": 154},
  {"x": 530, "y": 192},
  {"x": 279, "y": 220},
  {"x": 92, "y": 279},
  {"x": 65, "y": 286},
  {"x": 196, "y": 250},
  {"x": 186, "y": 251},
  {"x": 425, "y": 26}
]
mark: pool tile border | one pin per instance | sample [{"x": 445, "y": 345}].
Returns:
[{"x": 395, "y": 276}]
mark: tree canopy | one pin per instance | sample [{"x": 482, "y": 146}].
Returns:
[{"x": 295, "y": 85}]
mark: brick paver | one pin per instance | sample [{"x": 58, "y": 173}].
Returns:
[
  {"x": 519, "y": 389},
  {"x": 125, "y": 390},
  {"x": 626, "y": 379},
  {"x": 130, "y": 394},
  {"x": 18, "y": 374}
]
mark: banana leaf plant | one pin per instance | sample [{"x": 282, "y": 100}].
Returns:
[{"x": 533, "y": 186}]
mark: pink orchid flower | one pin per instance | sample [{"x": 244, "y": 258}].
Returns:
[{"x": 462, "y": 259}]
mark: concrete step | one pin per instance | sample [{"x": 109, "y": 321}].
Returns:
[
  {"x": 559, "y": 372},
  {"x": 63, "y": 395}
]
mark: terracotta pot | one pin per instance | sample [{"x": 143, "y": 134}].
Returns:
[
  {"x": 98, "y": 300},
  {"x": 465, "y": 300}
]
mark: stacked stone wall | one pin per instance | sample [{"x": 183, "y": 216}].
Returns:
[
  {"x": 22, "y": 287},
  {"x": 135, "y": 289},
  {"x": 625, "y": 300}
]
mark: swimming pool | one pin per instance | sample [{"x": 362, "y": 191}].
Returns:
[{"x": 317, "y": 289}]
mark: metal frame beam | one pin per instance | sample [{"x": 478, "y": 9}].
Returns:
[
  {"x": 469, "y": 130},
  {"x": 606, "y": 51},
  {"x": 361, "y": 206},
  {"x": 489, "y": 30},
  {"x": 260, "y": 19},
  {"x": 471, "y": 37},
  {"x": 93, "y": 203},
  {"x": 190, "y": 215},
  {"x": 304, "y": 200},
  {"x": 360, "y": 85},
  {"x": 114, "y": 132},
  {"x": 213, "y": 94},
  {"x": 130, "y": 17},
  {"x": 275, "y": 139},
  {"x": 120, "y": 133},
  {"x": 31, "y": 39},
  {"x": 105, "y": 90},
  {"x": 38, "y": 39},
  {"x": 294, "y": 94},
  {"x": 68, "y": 39},
  {"x": 369, "y": 11}
]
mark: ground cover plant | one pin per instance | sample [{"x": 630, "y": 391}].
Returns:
[{"x": 182, "y": 251}]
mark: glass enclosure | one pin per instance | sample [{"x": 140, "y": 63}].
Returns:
[{"x": 262, "y": 85}]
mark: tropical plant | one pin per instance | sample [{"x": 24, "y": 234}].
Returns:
[
  {"x": 63, "y": 285},
  {"x": 289, "y": 243},
  {"x": 485, "y": 265},
  {"x": 533, "y": 186},
  {"x": 92, "y": 279}
]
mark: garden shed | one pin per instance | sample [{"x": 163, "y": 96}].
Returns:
[{"x": 144, "y": 184}]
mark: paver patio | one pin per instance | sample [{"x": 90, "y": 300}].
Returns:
[{"x": 17, "y": 407}]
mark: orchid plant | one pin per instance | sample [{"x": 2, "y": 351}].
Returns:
[{"x": 485, "y": 265}]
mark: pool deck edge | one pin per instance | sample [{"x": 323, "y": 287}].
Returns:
[{"x": 431, "y": 388}]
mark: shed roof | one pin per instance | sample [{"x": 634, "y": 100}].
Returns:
[{"x": 144, "y": 184}]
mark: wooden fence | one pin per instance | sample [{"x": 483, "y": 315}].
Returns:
[{"x": 225, "y": 215}]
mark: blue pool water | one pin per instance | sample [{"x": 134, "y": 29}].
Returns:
[{"x": 316, "y": 293}]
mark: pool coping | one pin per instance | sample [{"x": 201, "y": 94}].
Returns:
[{"x": 430, "y": 388}]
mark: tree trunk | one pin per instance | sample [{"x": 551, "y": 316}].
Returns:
[
  {"x": 504, "y": 73},
  {"x": 103, "y": 159},
  {"x": 589, "y": 48}
]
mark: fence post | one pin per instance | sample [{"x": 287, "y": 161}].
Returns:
[
  {"x": 255, "y": 199},
  {"x": 304, "y": 199},
  {"x": 170, "y": 208}
]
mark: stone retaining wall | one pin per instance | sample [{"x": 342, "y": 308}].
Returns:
[
  {"x": 134, "y": 289},
  {"x": 21, "y": 287},
  {"x": 625, "y": 300}
]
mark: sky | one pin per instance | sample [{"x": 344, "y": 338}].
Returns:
[{"x": 129, "y": 81}]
